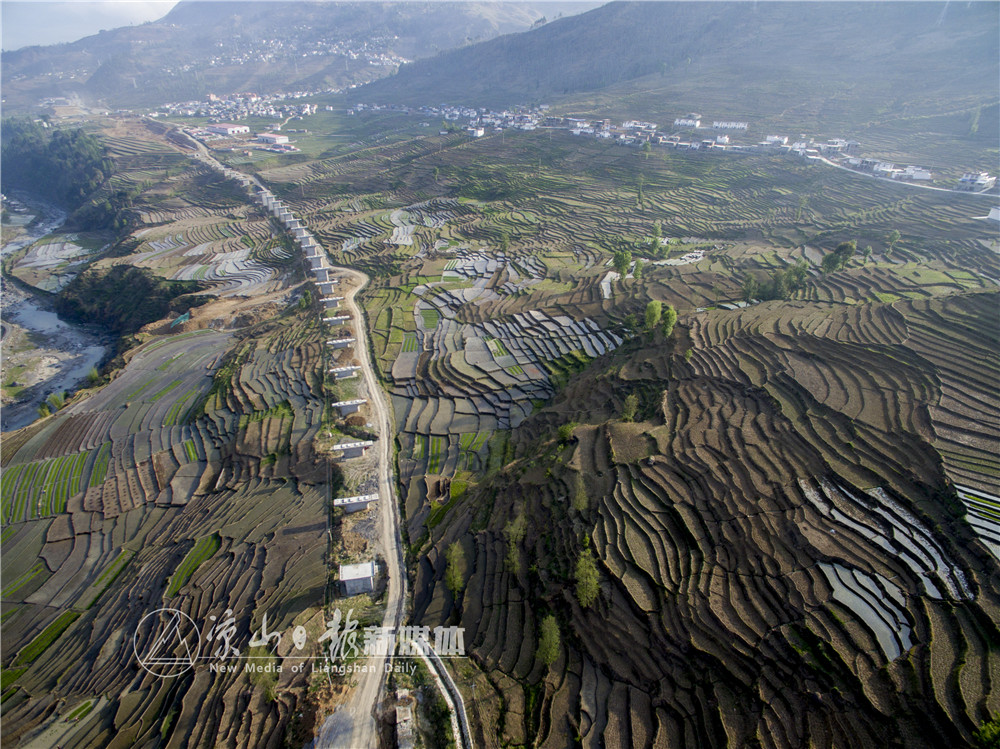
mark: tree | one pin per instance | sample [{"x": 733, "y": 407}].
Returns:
[
  {"x": 437, "y": 174},
  {"x": 637, "y": 271},
  {"x": 630, "y": 407},
  {"x": 641, "y": 182},
  {"x": 654, "y": 310},
  {"x": 504, "y": 242},
  {"x": 514, "y": 531},
  {"x": 621, "y": 261},
  {"x": 655, "y": 245},
  {"x": 840, "y": 257},
  {"x": 587, "y": 579},
  {"x": 646, "y": 149},
  {"x": 867, "y": 253},
  {"x": 453, "y": 577},
  {"x": 893, "y": 238},
  {"x": 750, "y": 288},
  {"x": 797, "y": 275},
  {"x": 548, "y": 641},
  {"x": 669, "y": 320}
]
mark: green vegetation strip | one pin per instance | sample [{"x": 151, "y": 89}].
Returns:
[
  {"x": 280, "y": 411},
  {"x": 203, "y": 550},
  {"x": 49, "y": 635},
  {"x": 101, "y": 461}
]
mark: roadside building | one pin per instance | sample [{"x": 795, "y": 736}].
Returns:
[
  {"x": 226, "y": 128},
  {"x": 976, "y": 182},
  {"x": 356, "y": 579}
]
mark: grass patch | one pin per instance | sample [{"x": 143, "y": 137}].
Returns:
[{"x": 431, "y": 317}]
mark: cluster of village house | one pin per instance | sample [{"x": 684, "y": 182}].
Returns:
[
  {"x": 689, "y": 132},
  {"x": 240, "y": 106}
]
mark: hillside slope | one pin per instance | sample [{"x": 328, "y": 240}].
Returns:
[
  {"x": 781, "y": 557},
  {"x": 855, "y": 49},
  {"x": 223, "y": 47}
]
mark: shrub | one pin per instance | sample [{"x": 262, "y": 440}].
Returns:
[
  {"x": 587, "y": 579},
  {"x": 548, "y": 641}
]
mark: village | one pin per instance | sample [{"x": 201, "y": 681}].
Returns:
[{"x": 690, "y": 132}]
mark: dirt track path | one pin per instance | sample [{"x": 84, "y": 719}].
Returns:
[{"x": 353, "y": 725}]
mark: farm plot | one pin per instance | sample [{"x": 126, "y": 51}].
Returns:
[
  {"x": 232, "y": 257},
  {"x": 983, "y": 515},
  {"x": 54, "y": 261},
  {"x": 253, "y": 531}
]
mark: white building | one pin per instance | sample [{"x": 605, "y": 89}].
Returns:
[
  {"x": 356, "y": 579},
  {"x": 779, "y": 140},
  {"x": 685, "y": 122},
  {"x": 976, "y": 181},
  {"x": 726, "y": 125},
  {"x": 915, "y": 173},
  {"x": 995, "y": 214},
  {"x": 226, "y": 128},
  {"x": 272, "y": 138}
]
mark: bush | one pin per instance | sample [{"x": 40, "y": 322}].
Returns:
[
  {"x": 566, "y": 432},
  {"x": 587, "y": 579},
  {"x": 630, "y": 407},
  {"x": 548, "y": 641}
]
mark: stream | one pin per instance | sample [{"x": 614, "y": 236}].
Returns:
[{"x": 39, "y": 352}]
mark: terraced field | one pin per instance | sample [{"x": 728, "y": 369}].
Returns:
[
  {"x": 786, "y": 509},
  {"x": 189, "y": 481},
  {"x": 783, "y": 556},
  {"x": 783, "y": 519}
]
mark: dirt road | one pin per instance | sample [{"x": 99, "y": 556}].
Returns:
[{"x": 353, "y": 726}]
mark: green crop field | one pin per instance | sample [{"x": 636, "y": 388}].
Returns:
[{"x": 203, "y": 550}]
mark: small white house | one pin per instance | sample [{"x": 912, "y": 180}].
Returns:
[
  {"x": 356, "y": 579},
  {"x": 915, "y": 173}
]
